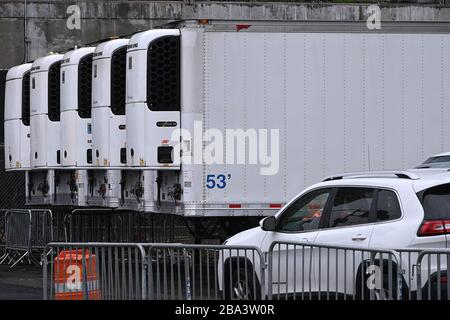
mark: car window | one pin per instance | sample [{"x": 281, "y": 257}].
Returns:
[
  {"x": 436, "y": 202},
  {"x": 437, "y": 159},
  {"x": 351, "y": 206},
  {"x": 388, "y": 207},
  {"x": 304, "y": 214}
]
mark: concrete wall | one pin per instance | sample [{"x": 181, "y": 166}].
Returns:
[{"x": 47, "y": 31}]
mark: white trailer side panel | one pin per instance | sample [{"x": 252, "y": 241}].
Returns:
[
  {"x": 341, "y": 102},
  {"x": 432, "y": 91}
]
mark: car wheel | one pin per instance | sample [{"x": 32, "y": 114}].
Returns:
[{"x": 242, "y": 286}]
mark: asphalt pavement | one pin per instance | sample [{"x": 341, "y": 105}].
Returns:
[{"x": 23, "y": 282}]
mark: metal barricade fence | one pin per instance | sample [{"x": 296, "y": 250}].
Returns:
[
  {"x": 17, "y": 236},
  {"x": 408, "y": 260},
  {"x": 289, "y": 270},
  {"x": 41, "y": 228},
  {"x": 314, "y": 271},
  {"x": 2, "y": 230},
  {"x": 110, "y": 271},
  {"x": 204, "y": 272},
  {"x": 433, "y": 274},
  {"x": 26, "y": 234},
  {"x": 115, "y": 225},
  {"x": 95, "y": 225},
  {"x": 94, "y": 271},
  {"x": 58, "y": 225}
]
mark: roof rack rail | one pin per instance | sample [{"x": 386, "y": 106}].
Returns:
[{"x": 373, "y": 174}]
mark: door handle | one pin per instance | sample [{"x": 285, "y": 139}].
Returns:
[
  {"x": 359, "y": 237},
  {"x": 305, "y": 240}
]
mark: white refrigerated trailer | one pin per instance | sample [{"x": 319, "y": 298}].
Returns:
[
  {"x": 108, "y": 123},
  {"x": 76, "y": 126},
  {"x": 262, "y": 109},
  {"x": 17, "y": 118},
  {"x": 226, "y": 121},
  {"x": 41, "y": 181},
  {"x": 152, "y": 101}
]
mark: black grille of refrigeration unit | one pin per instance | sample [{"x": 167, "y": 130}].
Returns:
[
  {"x": 26, "y": 99},
  {"x": 118, "y": 72},
  {"x": 53, "y": 91},
  {"x": 163, "y": 74},
  {"x": 85, "y": 86}
]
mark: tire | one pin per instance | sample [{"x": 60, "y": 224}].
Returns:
[{"x": 242, "y": 285}]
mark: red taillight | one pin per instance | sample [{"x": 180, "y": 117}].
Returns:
[
  {"x": 444, "y": 279},
  {"x": 434, "y": 228},
  {"x": 239, "y": 27}
]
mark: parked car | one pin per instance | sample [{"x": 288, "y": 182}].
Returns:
[
  {"x": 441, "y": 160},
  {"x": 369, "y": 211}
]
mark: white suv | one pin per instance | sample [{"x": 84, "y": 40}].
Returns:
[
  {"x": 441, "y": 160},
  {"x": 387, "y": 210}
]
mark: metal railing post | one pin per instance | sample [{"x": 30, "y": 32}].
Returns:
[
  {"x": 143, "y": 272},
  {"x": 45, "y": 275},
  {"x": 269, "y": 272}
]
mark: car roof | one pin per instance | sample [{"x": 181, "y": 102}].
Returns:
[
  {"x": 440, "y": 164},
  {"x": 365, "y": 181},
  {"x": 430, "y": 177},
  {"x": 443, "y": 164},
  {"x": 418, "y": 179},
  {"x": 441, "y": 154}
]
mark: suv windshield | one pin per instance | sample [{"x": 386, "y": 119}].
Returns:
[{"x": 436, "y": 202}]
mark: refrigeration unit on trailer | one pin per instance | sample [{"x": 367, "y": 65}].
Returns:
[
  {"x": 108, "y": 123},
  {"x": 76, "y": 126},
  {"x": 268, "y": 108},
  {"x": 44, "y": 129},
  {"x": 152, "y": 114},
  {"x": 17, "y": 118}
]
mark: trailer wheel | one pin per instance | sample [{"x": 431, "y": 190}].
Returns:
[{"x": 242, "y": 286}]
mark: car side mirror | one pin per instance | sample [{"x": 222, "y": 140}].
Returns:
[{"x": 268, "y": 223}]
